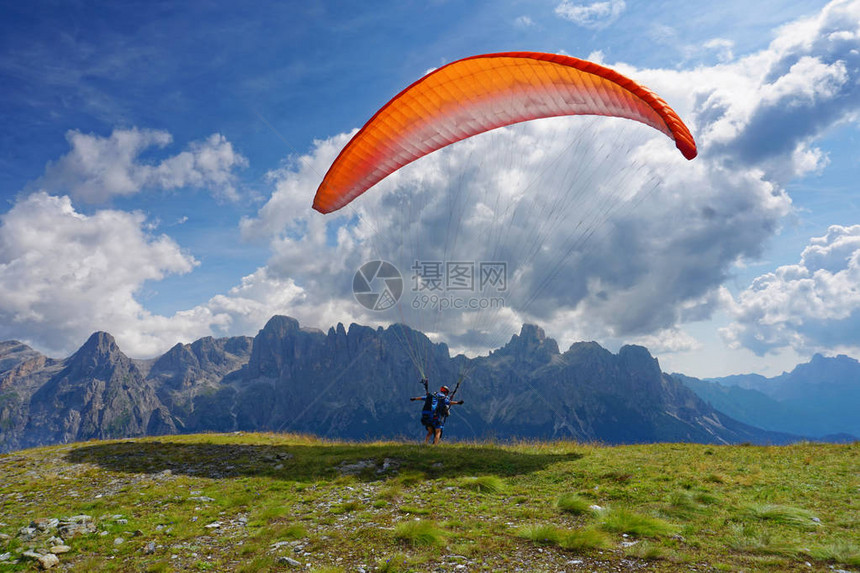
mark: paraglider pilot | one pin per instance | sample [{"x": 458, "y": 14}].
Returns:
[{"x": 436, "y": 409}]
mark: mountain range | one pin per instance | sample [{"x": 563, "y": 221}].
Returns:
[
  {"x": 820, "y": 398},
  {"x": 355, "y": 384}
]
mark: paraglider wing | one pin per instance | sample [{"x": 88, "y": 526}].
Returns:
[{"x": 477, "y": 94}]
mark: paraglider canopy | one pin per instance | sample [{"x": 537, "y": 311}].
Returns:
[{"x": 481, "y": 93}]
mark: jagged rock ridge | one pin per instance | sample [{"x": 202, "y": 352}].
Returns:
[{"x": 353, "y": 383}]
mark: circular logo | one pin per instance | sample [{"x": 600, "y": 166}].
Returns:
[{"x": 377, "y": 285}]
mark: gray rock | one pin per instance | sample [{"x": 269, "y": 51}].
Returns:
[
  {"x": 289, "y": 561},
  {"x": 347, "y": 468},
  {"x": 78, "y": 519},
  {"x": 58, "y": 549},
  {"x": 149, "y": 549},
  {"x": 27, "y": 533},
  {"x": 44, "y": 523},
  {"x": 30, "y": 554},
  {"x": 48, "y": 561},
  {"x": 69, "y": 529},
  {"x": 388, "y": 464}
]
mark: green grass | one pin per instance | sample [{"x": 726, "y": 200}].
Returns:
[
  {"x": 543, "y": 534},
  {"x": 347, "y": 507},
  {"x": 573, "y": 540},
  {"x": 666, "y": 507},
  {"x": 632, "y": 523},
  {"x": 585, "y": 539},
  {"x": 420, "y": 533},
  {"x": 844, "y": 552},
  {"x": 572, "y": 503},
  {"x": 394, "y": 564},
  {"x": 483, "y": 484},
  {"x": 779, "y": 514},
  {"x": 686, "y": 505},
  {"x": 414, "y": 510},
  {"x": 647, "y": 551}
]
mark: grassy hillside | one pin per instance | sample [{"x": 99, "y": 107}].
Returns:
[{"x": 262, "y": 502}]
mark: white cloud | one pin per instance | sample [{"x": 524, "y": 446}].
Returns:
[
  {"x": 722, "y": 48},
  {"x": 651, "y": 238},
  {"x": 609, "y": 233},
  {"x": 64, "y": 274},
  {"x": 811, "y": 306},
  {"x": 767, "y": 105},
  {"x": 98, "y": 168},
  {"x": 594, "y": 15},
  {"x": 524, "y": 22},
  {"x": 636, "y": 235}
]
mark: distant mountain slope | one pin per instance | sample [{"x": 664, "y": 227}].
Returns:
[
  {"x": 353, "y": 384},
  {"x": 820, "y": 398},
  {"x": 99, "y": 393}
]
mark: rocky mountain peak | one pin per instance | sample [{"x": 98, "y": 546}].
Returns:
[
  {"x": 280, "y": 325},
  {"x": 14, "y": 353},
  {"x": 532, "y": 332},
  {"x": 354, "y": 382},
  {"x": 822, "y": 369},
  {"x": 99, "y": 344},
  {"x": 99, "y": 354},
  {"x": 531, "y": 344},
  {"x": 639, "y": 359},
  {"x": 278, "y": 345}
]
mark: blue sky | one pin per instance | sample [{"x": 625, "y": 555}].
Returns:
[{"x": 158, "y": 163}]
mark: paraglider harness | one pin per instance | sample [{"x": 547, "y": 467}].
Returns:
[{"x": 437, "y": 406}]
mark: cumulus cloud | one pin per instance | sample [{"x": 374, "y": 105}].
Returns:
[
  {"x": 624, "y": 240},
  {"x": 608, "y": 232},
  {"x": 98, "y": 168},
  {"x": 811, "y": 306},
  {"x": 768, "y": 105},
  {"x": 594, "y": 15},
  {"x": 722, "y": 47},
  {"x": 64, "y": 274}
]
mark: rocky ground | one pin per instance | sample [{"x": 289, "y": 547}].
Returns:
[{"x": 138, "y": 505}]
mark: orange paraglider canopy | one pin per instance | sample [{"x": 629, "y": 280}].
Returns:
[{"x": 480, "y": 93}]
